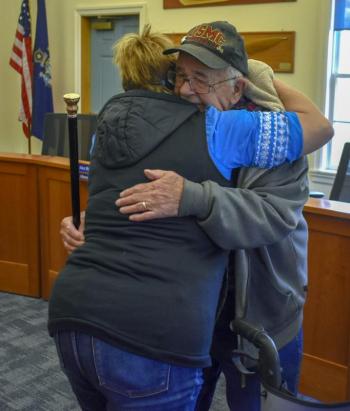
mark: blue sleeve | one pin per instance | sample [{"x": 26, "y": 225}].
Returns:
[{"x": 240, "y": 138}]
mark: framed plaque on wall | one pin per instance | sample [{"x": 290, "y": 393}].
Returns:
[
  {"x": 175, "y": 4},
  {"x": 275, "y": 48}
]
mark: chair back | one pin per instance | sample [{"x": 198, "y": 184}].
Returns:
[
  {"x": 56, "y": 140},
  {"x": 341, "y": 186}
]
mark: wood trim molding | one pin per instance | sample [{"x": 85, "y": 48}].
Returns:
[
  {"x": 82, "y": 46},
  {"x": 85, "y": 70}
]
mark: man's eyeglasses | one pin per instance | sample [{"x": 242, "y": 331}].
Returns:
[{"x": 196, "y": 85}]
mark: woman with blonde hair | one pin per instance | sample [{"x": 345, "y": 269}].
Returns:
[
  {"x": 133, "y": 310},
  {"x": 141, "y": 61}
]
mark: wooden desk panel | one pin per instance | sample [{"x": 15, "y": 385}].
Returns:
[
  {"x": 19, "y": 232},
  {"x": 325, "y": 373},
  {"x": 35, "y": 196},
  {"x": 55, "y": 203}
]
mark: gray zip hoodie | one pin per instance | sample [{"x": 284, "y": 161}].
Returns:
[{"x": 262, "y": 221}]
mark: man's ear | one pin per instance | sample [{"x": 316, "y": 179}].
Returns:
[{"x": 240, "y": 85}]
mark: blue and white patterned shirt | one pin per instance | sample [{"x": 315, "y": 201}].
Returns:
[{"x": 241, "y": 138}]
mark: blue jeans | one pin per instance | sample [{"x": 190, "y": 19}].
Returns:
[
  {"x": 104, "y": 377},
  {"x": 248, "y": 398}
]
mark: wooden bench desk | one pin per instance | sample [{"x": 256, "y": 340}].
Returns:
[{"x": 326, "y": 364}]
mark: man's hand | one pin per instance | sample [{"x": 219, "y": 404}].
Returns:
[
  {"x": 71, "y": 237},
  {"x": 159, "y": 198}
]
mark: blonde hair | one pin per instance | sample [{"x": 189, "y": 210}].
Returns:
[{"x": 141, "y": 61}]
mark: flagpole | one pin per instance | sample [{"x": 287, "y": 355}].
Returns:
[{"x": 29, "y": 145}]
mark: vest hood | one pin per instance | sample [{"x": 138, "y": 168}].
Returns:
[{"x": 132, "y": 124}]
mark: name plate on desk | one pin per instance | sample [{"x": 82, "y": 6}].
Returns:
[{"x": 84, "y": 171}]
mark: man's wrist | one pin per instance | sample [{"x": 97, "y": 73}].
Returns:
[{"x": 194, "y": 200}]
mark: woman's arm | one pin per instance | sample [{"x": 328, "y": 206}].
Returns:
[
  {"x": 317, "y": 130},
  {"x": 241, "y": 138}
]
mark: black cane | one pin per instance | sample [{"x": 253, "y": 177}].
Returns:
[{"x": 71, "y": 101}]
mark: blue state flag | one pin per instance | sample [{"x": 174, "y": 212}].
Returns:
[{"x": 42, "y": 90}]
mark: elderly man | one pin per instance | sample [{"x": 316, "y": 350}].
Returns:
[{"x": 260, "y": 219}]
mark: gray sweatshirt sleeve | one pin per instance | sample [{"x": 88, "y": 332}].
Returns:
[{"x": 266, "y": 206}]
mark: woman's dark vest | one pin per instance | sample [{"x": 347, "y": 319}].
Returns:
[{"x": 151, "y": 288}]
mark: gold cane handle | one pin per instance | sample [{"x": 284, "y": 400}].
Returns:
[{"x": 71, "y": 100}]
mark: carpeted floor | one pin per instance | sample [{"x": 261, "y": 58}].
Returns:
[{"x": 30, "y": 377}]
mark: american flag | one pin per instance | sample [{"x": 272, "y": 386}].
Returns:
[{"x": 21, "y": 60}]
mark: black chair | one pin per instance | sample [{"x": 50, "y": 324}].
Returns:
[
  {"x": 341, "y": 185},
  {"x": 55, "y": 141}
]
